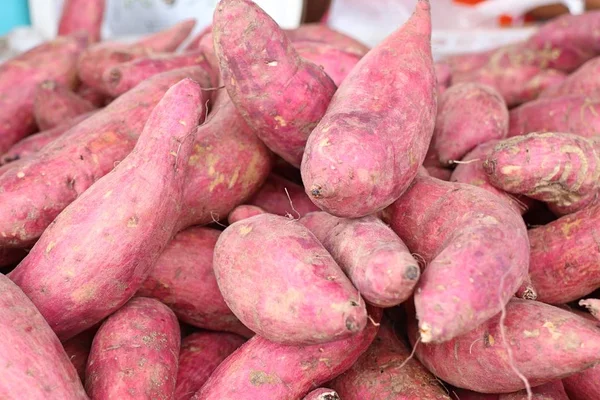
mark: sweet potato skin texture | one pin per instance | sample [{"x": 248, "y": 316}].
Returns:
[
  {"x": 54, "y": 60},
  {"x": 201, "y": 353},
  {"x": 36, "y": 190},
  {"x": 55, "y": 103},
  {"x": 243, "y": 212},
  {"x": 350, "y": 167},
  {"x": 375, "y": 259},
  {"x": 575, "y": 114},
  {"x": 273, "y": 198},
  {"x": 549, "y": 391},
  {"x": 322, "y": 394},
  {"x": 68, "y": 268},
  {"x": 316, "y": 303},
  {"x": 321, "y": 33},
  {"x": 468, "y": 114},
  {"x": 564, "y": 257},
  {"x": 183, "y": 279},
  {"x": 82, "y": 15},
  {"x": 547, "y": 343},
  {"x": 34, "y": 363},
  {"x": 582, "y": 82},
  {"x": 292, "y": 371},
  {"x": 560, "y": 169},
  {"x": 385, "y": 371},
  {"x": 337, "y": 63},
  {"x": 434, "y": 218},
  {"x": 295, "y": 92},
  {"x": 135, "y": 353}
]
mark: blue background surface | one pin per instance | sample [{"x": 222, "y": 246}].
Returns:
[{"x": 13, "y": 13}]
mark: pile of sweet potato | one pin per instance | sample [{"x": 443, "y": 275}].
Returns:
[{"x": 258, "y": 213}]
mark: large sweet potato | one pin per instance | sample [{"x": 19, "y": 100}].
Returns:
[
  {"x": 583, "y": 82},
  {"x": 299, "y": 294},
  {"x": 283, "y": 197},
  {"x": 54, "y": 104},
  {"x": 351, "y": 166},
  {"x": 265, "y": 370},
  {"x": 135, "y": 353},
  {"x": 279, "y": 94},
  {"x": 336, "y": 62},
  {"x": 82, "y": 16},
  {"x": 33, "y": 362},
  {"x": 475, "y": 248},
  {"x": 98, "y": 251}
]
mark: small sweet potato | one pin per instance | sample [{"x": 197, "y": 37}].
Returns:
[
  {"x": 98, "y": 251},
  {"x": 583, "y": 82},
  {"x": 593, "y": 306},
  {"x": 35, "y": 190},
  {"x": 20, "y": 76},
  {"x": 374, "y": 258},
  {"x": 300, "y": 295},
  {"x": 82, "y": 16},
  {"x": 336, "y": 62},
  {"x": 265, "y": 370},
  {"x": 54, "y": 104},
  {"x": 242, "y": 212},
  {"x": 351, "y": 166},
  {"x": 283, "y": 197},
  {"x": 575, "y": 114},
  {"x": 322, "y": 394},
  {"x": 547, "y": 343},
  {"x": 280, "y": 95},
  {"x": 560, "y": 169},
  {"x": 386, "y": 371},
  {"x": 169, "y": 39},
  {"x": 78, "y": 350},
  {"x": 201, "y": 353},
  {"x": 34, "y": 364},
  {"x": 474, "y": 246},
  {"x": 184, "y": 280},
  {"x": 322, "y": 33},
  {"x": 468, "y": 114},
  {"x": 135, "y": 353}
]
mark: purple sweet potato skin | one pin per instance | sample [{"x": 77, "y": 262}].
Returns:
[
  {"x": 564, "y": 257},
  {"x": 242, "y": 212},
  {"x": 299, "y": 294},
  {"x": 269, "y": 75},
  {"x": 336, "y": 62},
  {"x": 34, "y": 191},
  {"x": 436, "y": 220},
  {"x": 96, "y": 254},
  {"x": 385, "y": 371},
  {"x": 322, "y": 394},
  {"x": 547, "y": 343},
  {"x": 20, "y": 76},
  {"x": 560, "y": 169},
  {"x": 549, "y": 391},
  {"x": 55, "y": 103},
  {"x": 82, "y": 15},
  {"x": 290, "y": 372},
  {"x": 34, "y": 363},
  {"x": 351, "y": 166},
  {"x": 184, "y": 280},
  {"x": 469, "y": 114},
  {"x": 375, "y": 259},
  {"x": 201, "y": 353},
  {"x": 582, "y": 82},
  {"x": 135, "y": 353},
  {"x": 78, "y": 350},
  {"x": 321, "y": 33},
  {"x": 272, "y": 198}
]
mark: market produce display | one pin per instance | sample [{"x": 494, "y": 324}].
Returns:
[{"x": 258, "y": 213}]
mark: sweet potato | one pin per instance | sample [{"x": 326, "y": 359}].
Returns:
[
  {"x": 228, "y": 165},
  {"x": 351, "y": 166},
  {"x": 469, "y": 114},
  {"x": 322, "y": 394},
  {"x": 550, "y": 391},
  {"x": 34, "y": 364},
  {"x": 262, "y": 369},
  {"x": 54, "y": 104},
  {"x": 98, "y": 251},
  {"x": 593, "y": 306},
  {"x": 386, "y": 371},
  {"x": 337, "y": 63},
  {"x": 560, "y": 169},
  {"x": 547, "y": 343},
  {"x": 204, "y": 42},
  {"x": 439, "y": 172},
  {"x": 468, "y": 62},
  {"x": 92, "y": 95},
  {"x": 123, "y": 77},
  {"x": 279, "y": 94},
  {"x": 82, "y": 15},
  {"x": 283, "y": 197},
  {"x": 300, "y": 296},
  {"x": 475, "y": 249},
  {"x": 135, "y": 353},
  {"x": 201, "y": 353},
  {"x": 184, "y": 280},
  {"x": 583, "y": 82},
  {"x": 321, "y": 33},
  {"x": 195, "y": 42},
  {"x": 243, "y": 212},
  {"x": 78, "y": 350},
  {"x": 575, "y": 114},
  {"x": 169, "y": 39},
  {"x": 20, "y": 76},
  {"x": 34, "y": 191},
  {"x": 374, "y": 258}
]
